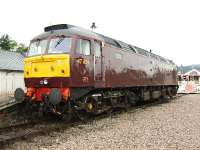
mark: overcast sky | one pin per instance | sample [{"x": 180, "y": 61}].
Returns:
[{"x": 171, "y": 28}]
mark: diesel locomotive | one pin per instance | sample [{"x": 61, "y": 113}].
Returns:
[{"x": 70, "y": 69}]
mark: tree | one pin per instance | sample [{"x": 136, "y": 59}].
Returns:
[
  {"x": 22, "y": 48},
  {"x": 6, "y": 43}
]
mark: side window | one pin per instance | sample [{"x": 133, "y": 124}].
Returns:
[
  {"x": 83, "y": 47},
  {"x": 97, "y": 49},
  {"x": 118, "y": 56}
]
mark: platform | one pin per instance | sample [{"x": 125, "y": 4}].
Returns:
[{"x": 6, "y": 101}]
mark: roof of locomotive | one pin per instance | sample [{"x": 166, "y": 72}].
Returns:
[
  {"x": 66, "y": 29},
  {"x": 70, "y": 30}
]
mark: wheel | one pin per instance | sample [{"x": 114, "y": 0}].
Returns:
[
  {"x": 82, "y": 115},
  {"x": 67, "y": 114},
  {"x": 133, "y": 98}
]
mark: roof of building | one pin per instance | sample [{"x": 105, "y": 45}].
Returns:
[
  {"x": 193, "y": 72},
  {"x": 11, "y": 61},
  {"x": 185, "y": 69}
]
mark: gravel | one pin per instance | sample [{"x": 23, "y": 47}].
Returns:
[{"x": 173, "y": 125}]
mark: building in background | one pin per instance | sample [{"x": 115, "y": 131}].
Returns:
[
  {"x": 189, "y": 82},
  {"x": 11, "y": 74}
]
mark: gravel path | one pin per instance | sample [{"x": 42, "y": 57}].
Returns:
[{"x": 173, "y": 125}]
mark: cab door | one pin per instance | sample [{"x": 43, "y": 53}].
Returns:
[
  {"x": 82, "y": 68},
  {"x": 98, "y": 70}
]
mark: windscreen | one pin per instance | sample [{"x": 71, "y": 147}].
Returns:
[
  {"x": 60, "y": 45},
  {"x": 37, "y": 47},
  {"x": 54, "y": 45}
]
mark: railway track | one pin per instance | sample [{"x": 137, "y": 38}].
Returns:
[{"x": 28, "y": 129}]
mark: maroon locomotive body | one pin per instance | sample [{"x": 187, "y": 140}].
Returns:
[{"x": 96, "y": 72}]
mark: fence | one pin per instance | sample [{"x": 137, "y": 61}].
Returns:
[{"x": 9, "y": 81}]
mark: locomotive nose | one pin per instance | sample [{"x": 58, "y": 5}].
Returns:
[{"x": 47, "y": 66}]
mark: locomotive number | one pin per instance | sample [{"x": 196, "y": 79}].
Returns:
[
  {"x": 82, "y": 61},
  {"x": 85, "y": 79}
]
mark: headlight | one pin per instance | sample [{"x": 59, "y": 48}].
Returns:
[{"x": 45, "y": 82}]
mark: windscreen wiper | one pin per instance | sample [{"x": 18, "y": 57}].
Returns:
[{"x": 59, "y": 42}]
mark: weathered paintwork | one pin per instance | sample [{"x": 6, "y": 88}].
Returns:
[{"x": 135, "y": 70}]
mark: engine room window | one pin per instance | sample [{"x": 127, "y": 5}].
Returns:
[
  {"x": 60, "y": 45},
  {"x": 97, "y": 49},
  {"x": 83, "y": 47},
  {"x": 37, "y": 47}
]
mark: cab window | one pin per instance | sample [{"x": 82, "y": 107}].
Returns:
[
  {"x": 60, "y": 45},
  {"x": 83, "y": 47},
  {"x": 97, "y": 49},
  {"x": 37, "y": 47}
]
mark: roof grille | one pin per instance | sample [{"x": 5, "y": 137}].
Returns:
[{"x": 57, "y": 27}]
